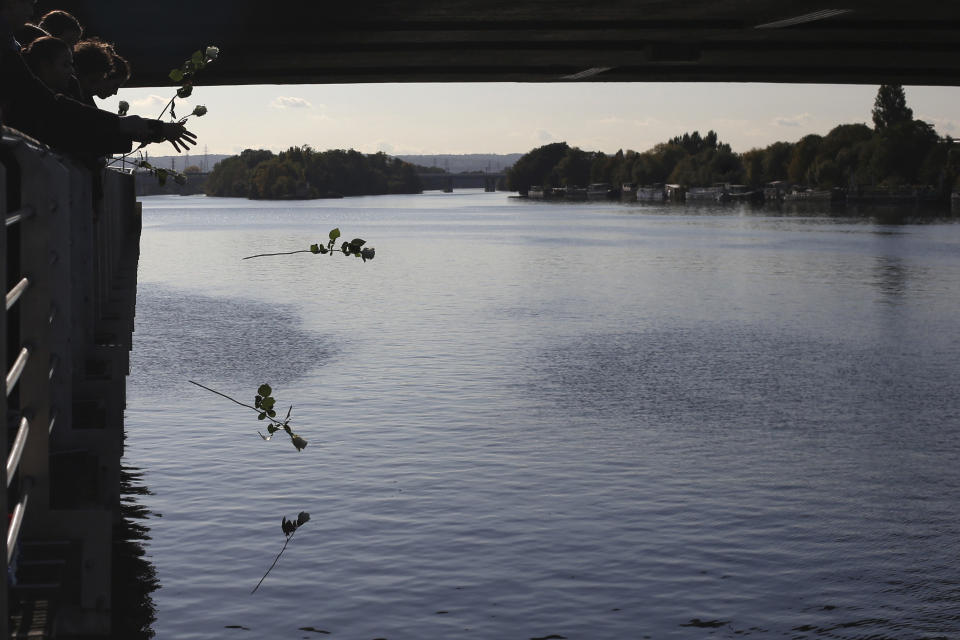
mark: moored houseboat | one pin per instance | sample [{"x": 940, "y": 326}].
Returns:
[
  {"x": 651, "y": 193},
  {"x": 600, "y": 191},
  {"x": 705, "y": 194},
  {"x": 740, "y": 193},
  {"x": 675, "y": 192},
  {"x": 799, "y": 194},
  {"x": 775, "y": 191}
]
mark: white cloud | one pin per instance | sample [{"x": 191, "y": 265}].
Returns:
[
  {"x": 152, "y": 101},
  {"x": 942, "y": 124},
  {"x": 290, "y": 102},
  {"x": 543, "y": 135},
  {"x": 792, "y": 121},
  {"x": 386, "y": 147}
]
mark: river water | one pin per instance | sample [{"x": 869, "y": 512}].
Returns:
[{"x": 537, "y": 420}]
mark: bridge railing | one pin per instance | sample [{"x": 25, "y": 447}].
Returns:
[{"x": 65, "y": 243}]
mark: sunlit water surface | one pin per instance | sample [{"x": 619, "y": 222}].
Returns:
[{"x": 530, "y": 420}]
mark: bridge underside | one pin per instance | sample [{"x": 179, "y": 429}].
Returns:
[{"x": 311, "y": 41}]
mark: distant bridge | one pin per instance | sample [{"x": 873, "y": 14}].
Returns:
[
  {"x": 449, "y": 181},
  {"x": 146, "y": 184}
]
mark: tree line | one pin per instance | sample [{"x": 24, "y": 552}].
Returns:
[
  {"x": 301, "y": 173},
  {"x": 897, "y": 151}
]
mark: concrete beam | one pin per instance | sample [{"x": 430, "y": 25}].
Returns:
[{"x": 304, "y": 41}]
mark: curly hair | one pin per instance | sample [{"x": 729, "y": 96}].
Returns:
[
  {"x": 44, "y": 49},
  {"x": 93, "y": 57},
  {"x": 56, "y": 22},
  {"x": 121, "y": 69}
]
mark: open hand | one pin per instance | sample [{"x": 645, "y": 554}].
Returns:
[{"x": 177, "y": 135}]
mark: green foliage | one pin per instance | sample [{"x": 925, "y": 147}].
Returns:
[
  {"x": 183, "y": 76},
  {"x": 898, "y": 151},
  {"x": 302, "y": 173},
  {"x": 689, "y": 159},
  {"x": 804, "y": 153},
  {"x": 693, "y": 143},
  {"x": 535, "y": 167},
  {"x": 160, "y": 173},
  {"x": 263, "y": 404},
  {"x": 573, "y": 169},
  {"x": 890, "y": 107},
  {"x": 354, "y": 247},
  {"x": 901, "y": 151},
  {"x": 289, "y": 527}
]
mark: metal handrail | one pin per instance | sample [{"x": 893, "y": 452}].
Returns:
[
  {"x": 16, "y": 449},
  {"x": 16, "y": 519},
  {"x": 19, "y": 215},
  {"x": 14, "y": 294},
  {"x": 14, "y": 374}
]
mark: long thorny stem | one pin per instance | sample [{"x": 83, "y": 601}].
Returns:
[
  {"x": 275, "y": 560},
  {"x": 229, "y": 398},
  {"x": 284, "y": 424},
  {"x": 285, "y": 253}
]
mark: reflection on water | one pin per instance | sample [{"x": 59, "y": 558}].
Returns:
[
  {"x": 238, "y": 343},
  {"x": 134, "y": 577},
  {"x": 891, "y": 276},
  {"x": 553, "y": 421}
]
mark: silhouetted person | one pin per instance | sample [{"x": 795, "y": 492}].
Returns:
[
  {"x": 116, "y": 78},
  {"x": 28, "y": 33},
  {"x": 63, "y": 25},
  {"x": 93, "y": 62},
  {"x": 61, "y": 122},
  {"x": 51, "y": 60}
]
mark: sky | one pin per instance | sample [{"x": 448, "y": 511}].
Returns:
[{"x": 409, "y": 119}]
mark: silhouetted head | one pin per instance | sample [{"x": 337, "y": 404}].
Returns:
[
  {"x": 28, "y": 33},
  {"x": 51, "y": 60},
  {"x": 17, "y": 13},
  {"x": 116, "y": 78},
  {"x": 62, "y": 25},
  {"x": 93, "y": 61}
]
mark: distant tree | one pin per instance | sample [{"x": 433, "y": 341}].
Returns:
[
  {"x": 802, "y": 158},
  {"x": 900, "y": 152},
  {"x": 648, "y": 168},
  {"x": 836, "y": 164},
  {"x": 694, "y": 143},
  {"x": 300, "y": 172},
  {"x": 575, "y": 167},
  {"x": 192, "y": 169},
  {"x": 276, "y": 179},
  {"x": 253, "y": 157},
  {"x": 843, "y": 136},
  {"x": 826, "y": 174},
  {"x": 230, "y": 178},
  {"x": 753, "y": 166},
  {"x": 890, "y": 107},
  {"x": 725, "y": 166},
  {"x": 535, "y": 167},
  {"x": 623, "y": 169},
  {"x": 604, "y": 167},
  {"x": 666, "y": 157},
  {"x": 776, "y": 161}
]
